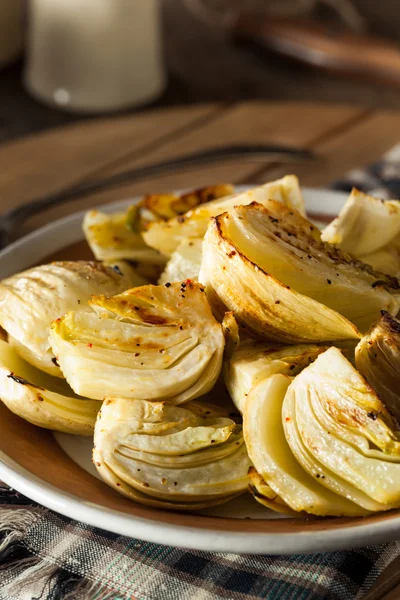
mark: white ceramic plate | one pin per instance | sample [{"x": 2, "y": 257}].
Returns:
[{"x": 56, "y": 470}]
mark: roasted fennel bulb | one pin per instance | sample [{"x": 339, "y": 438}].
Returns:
[
  {"x": 151, "y": 342},
  {"x": 365, "y": 224},
  {"x": 341, "y": 433},
  {"x": 378, "y": 359},
  {"x": 110, "y": 238},
  {"x": 184, "y": 263},
  {"x": 41, "y": 399},
  {"x": 269, "y": 265},
  {"x": 161, "y": 207},
  {"x": 119, "y": 235},
  {"x": 166, "y": 236},
  {"x": 368, "y": 228},
  {"x": 385, "y": 259},
  {"x": 253, "y": 361},
  {"x": 323, "y": 442},
  {"x": 288, "y": 483},
  {"x": 29, "y": 301},
  {"x": 170, "y": 457}
]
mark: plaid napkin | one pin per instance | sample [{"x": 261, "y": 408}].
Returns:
[{"x": 49, "y": 557}]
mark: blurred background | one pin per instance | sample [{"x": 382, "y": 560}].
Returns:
[{"x": 66, "y": 60}]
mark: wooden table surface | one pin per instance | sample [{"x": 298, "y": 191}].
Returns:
[
  {"x": 344, "y": 137},
  {"x": 203, "y": 64}
]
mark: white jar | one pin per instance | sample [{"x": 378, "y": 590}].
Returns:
[
  {"x": 11, "y": 30},
  {"x": 94, "y": 55}
]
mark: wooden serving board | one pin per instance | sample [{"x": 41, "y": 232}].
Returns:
[{"x": 343, "y": 136}]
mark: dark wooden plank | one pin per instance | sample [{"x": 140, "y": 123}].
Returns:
[
  {"x": 293, "y": 124},
  {"x": 354, "y": 147},
  {"x": 46, "y": 162}
]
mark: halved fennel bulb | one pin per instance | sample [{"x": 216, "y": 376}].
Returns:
[
  {"x": 184, "y": 263},
  {"x": 341, "y": 433},
  {"x": 273, "y": 458},
  {"x": 166, "y": 236},
  {"x": 30, "y": 300},
  {"x": 41, "y": 399},
  {"x": 170, "y": 457},
  {"x": 269, "y": 265},
  {"x": 151, "y": 342},
  {"x": 161, "y": 207},
  {"x": 119, "y": 235},
  {"x": 385, "y": 259},
  {"x": 253, "y": 361},
  {"x": 368, "y": 228},
  {"x": 364, "y": 225},
  {"x": 378, "y": 359},
  {"x": 110, "y": 238}
]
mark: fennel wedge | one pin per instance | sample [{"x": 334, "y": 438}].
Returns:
[
  {"x": 166, "y": 236},
  {"x": 184, "y": 458},
  {"x": 369, "y": 229},
  {"x": 364, "y": 225},
  {"x": 341, "y": 433},
  {"x": 269, "y": 265},
  {"x": 119, "y": 235},
  {"x": 184, "y": 263},
  {"x": 151, "y": 342},
  {"x": 110, "y": 238},
  {"x": 378, "y": 359},
  {"x": 274, "y": 461},
  {"x": 386, "y": 259},
  {"x": 41, "y": 399},
  {"x": 29, "y": 301},
  {"x": 253, "y": 361}
]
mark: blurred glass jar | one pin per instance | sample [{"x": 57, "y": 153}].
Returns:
[
  {"x": 94, "y": 55},
  {"x": 11, "y": 30}
]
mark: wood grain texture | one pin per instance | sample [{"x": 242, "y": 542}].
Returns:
[
  {"x": 293, "y": 124},
  {"x": 363, "y": 143},
  {"x": 205, "y": 66},
  {"x": 46, "y": 162}
]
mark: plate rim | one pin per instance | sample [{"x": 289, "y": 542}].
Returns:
[
  {"x": 191, "y": 538},
  {"x": 183, "y": 536}
]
